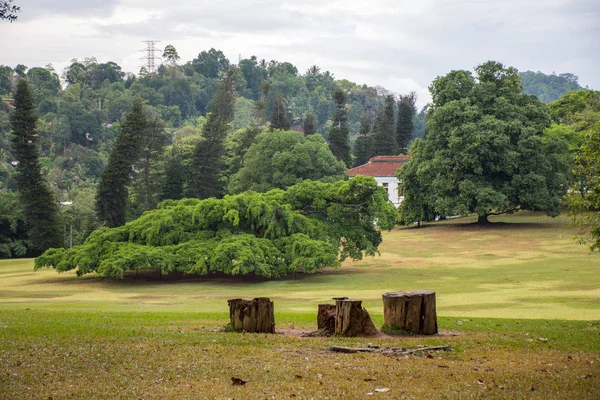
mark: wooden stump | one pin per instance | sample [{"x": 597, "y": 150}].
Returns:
[
  {"x": 411, "y": 310},
  {"x": 255, "y": 315},
  {"x": 352, "y": 320},
  {"x": 326, "y": 318}
]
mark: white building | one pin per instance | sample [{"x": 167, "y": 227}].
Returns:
[{"x": 383, "y": 169}]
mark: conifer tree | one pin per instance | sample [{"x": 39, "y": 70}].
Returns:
[
  {"x": 309, "y": 126},
  {"x": 39, "y": 206},
  {"x": 208, "y": 163},
  {"x": 112, "y": 192},
  {"x": 338, "y": 132},
  {"x": 404, "y": 129},
  {"x": 279, "y": 119},
  {"x": 384, "y": 140},
  {"x": 363, "y": 145}
]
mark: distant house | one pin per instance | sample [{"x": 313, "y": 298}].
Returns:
[
  {"x": 10, "y": 102},
  {"x": 383, "y": 169}
]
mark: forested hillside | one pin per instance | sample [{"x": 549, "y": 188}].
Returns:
[{"x": 548, "y": 88}]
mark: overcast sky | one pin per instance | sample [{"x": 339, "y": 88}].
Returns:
[{"x": 398, "y": 44}]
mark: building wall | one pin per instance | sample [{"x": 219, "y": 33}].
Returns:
[{"x": 391, "y": 182}]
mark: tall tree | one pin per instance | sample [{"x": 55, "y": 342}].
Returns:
[
  {"x": 112, "y": 192},
  {"x": 405, "y": 127},
  {"x": 279, "y": 119},
  {"x": 339, "y": 143},
  {"x": 39, "y": 206},
  {"x": 384, "y": 138},
  {"x": 485, "y": 152},
  {"x": 208, "y": 163},
  {"x": 363, "y": 145},
  {"x": 309, "y": 126},
  {"x": 170, "y": 55}
]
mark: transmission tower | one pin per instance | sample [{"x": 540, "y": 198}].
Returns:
[{"x": 151, "y": 55}]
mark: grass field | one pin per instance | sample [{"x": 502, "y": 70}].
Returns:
[{"x": 519, "y": 301}]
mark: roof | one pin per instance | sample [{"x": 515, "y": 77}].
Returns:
[{"x": 379, "y": 166}]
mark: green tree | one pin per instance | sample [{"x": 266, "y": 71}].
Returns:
[
  {"x": 39, "y": 206},
  {"x": 112, "y": 192},
  {"x": 208, "y": 163},
  {"x": 13, "y": 231},
  {"x": 485, "y": 152},
  {"x": 309, "y": 226},
  {"x": 279, "y": 119},
  {"x": 170, "y": 55},
  {"x": 405, "y": 126},
  {"x": 339, "y": 142},
  {"x": 280, "y": 159},
  {"x": 210, "y": 63},
  {"x": 8, "y": 11},
  {"x": 309, "y": 126},
  {"x": 363, "y": 145},
  {"x": 548, "y": 88},
  {"x": 384, "y": 138}
]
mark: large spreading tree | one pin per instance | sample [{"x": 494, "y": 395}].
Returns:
[
  {"x": 40, "y": 209},
  {"x": 485, "y": 151},
  {"x": 309, "y": 226}
]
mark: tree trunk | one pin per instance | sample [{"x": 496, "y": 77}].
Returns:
[
  {"x": 352, "y": 320},
  {"x": 255, "y": 315},
  {"x": 483, "y": 219},
  {"x": 411, "y": 310},
  {"x": 326, "y": 318}
]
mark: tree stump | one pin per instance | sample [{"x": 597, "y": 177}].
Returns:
[
  {"x": 255, "y": 315},
  {"x": 411, "y": 310},
  {"x": 353, "y": 320},
  {"x": 326, "y": 318}
]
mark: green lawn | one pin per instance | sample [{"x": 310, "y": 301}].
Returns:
[{"x": 519, "y": 301}]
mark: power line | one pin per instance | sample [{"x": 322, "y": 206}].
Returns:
[{"x": 150, "y": 56}]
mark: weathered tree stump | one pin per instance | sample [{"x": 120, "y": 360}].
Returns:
[
  {"x": 411, "y": 310},
  {"x": 255, "y": 315},
  {"x": 326, "y": 318},
  {"x": 353, "y": 320}
]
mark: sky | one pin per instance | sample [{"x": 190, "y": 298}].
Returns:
[{"x": 401, "y": 45}]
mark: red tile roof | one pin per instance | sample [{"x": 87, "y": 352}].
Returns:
[{"x": 379, "y": 166}]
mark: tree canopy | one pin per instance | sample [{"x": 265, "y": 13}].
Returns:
[
  {"x": 309, "y": 226},
  {"x": 485, "y": 152}
]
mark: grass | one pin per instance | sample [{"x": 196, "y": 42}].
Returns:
[{"x": 518, "y": 301}]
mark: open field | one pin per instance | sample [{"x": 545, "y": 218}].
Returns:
[{"x": 518, "y": 301}]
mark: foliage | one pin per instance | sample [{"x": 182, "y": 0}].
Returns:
[
  {"x": 13, "y": 232},
  {"x": 280, "y": 159},
  {"x": 338, "y": 130},
  {"x": 548, "y": 88},
  {"x": 112, "y": 193},
  {"x": 8, "y": 11},
  {"x": 405, "y": 126},
  {"x": 280, "y": 119},
  {"x": 309, "y": 125},
  {"x": 484, "y": 152},
  {"x": 39, "y": 207},
  {"x": 384, "y": 137},
  {"x": 309, "y": 226}
]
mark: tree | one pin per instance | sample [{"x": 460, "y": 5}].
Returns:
[
  {"x": 405, "y": 126},
  {"x": 309, "y": 126},
  {"x": 363, "y": 145},
  {"x": 548, "y": 88},
  {"x": 339, "y": 142},
  {"x": 279, "y": 119},
  {"x": 112, "y": 192},
  {"x": 384, "y": 138},
  {"x": 208, "y": 163},
  {"x": 170, "y": 54},
  {"x": 309, "y": 226},
  {"x": 8, "y": 11},
  {"x": 584, "y": 202},
  {"x": 280, "y": 159},
  {"x": 485, "y": 152},
  {"x": 40, "y": 210},
  {"x": 210, "y": 63}
]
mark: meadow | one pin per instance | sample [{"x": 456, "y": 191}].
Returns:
[{"x": 518, "y": 302}]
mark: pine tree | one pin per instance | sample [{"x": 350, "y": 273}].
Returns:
[
  {"x": 363, "y": 145},
  {"x": 112, "y": 192},
  {"x": 338, "y": 132},
  {"x": 279, "y": 119},
  {"x": 175, "y": 174},
  {"x": 404, "y": 129},
  {"x": 208, "y": 163},
  {"x": 38, "y": 203},
  {"x": 309, "y": 126},
  {"x": 384, "y": 140}
]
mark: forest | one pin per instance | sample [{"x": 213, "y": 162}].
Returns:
[{"x": 113, "y": 145}]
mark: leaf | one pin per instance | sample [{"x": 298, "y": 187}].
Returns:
[{"x": 237, "y": 381}]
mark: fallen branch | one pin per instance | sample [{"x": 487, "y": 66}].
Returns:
[{"x": 388, "y": 350}]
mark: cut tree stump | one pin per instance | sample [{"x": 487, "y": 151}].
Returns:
[
  {"x": 353, "y": 320},
  {"x": 255, "y": 315},
  {"x": 326, "y": 318},
  {"x": 411, "y": 310}
]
